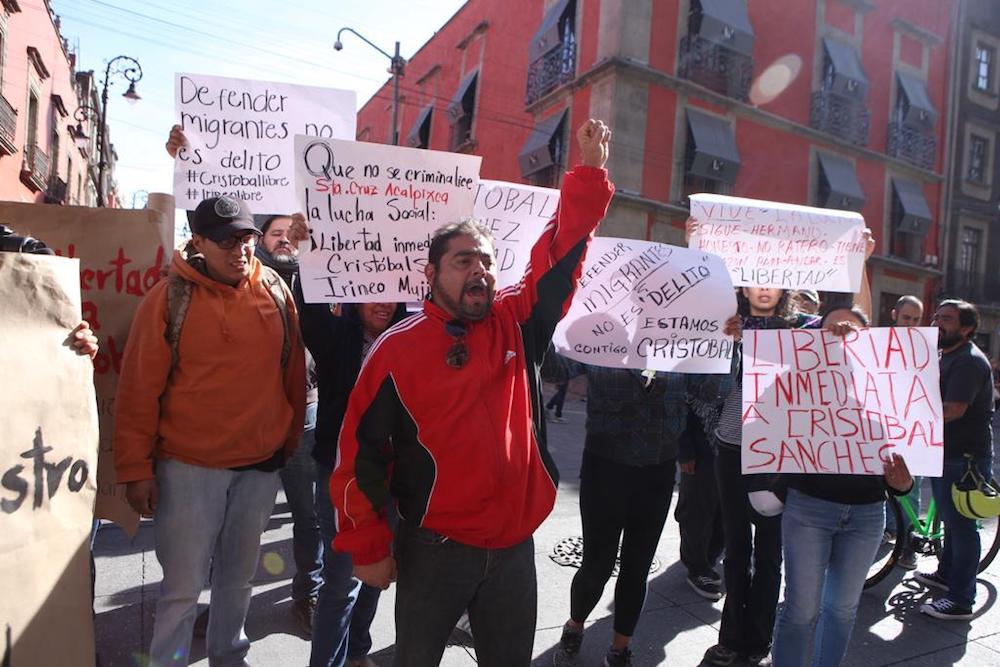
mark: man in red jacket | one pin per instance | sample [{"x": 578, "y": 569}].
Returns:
[{"x": 447, "y": 416}]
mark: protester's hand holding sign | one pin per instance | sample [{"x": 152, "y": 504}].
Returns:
[
  {"x": 897, "y": 475},
  {"x": 176, "y": 140},
  {"x": 298, "y": 231},
  {"x": 83, "y": 341}
]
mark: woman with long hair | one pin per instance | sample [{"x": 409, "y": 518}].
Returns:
[{"x": 832, "y": 526}]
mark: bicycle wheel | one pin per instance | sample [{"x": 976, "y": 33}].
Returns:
[
  {"x": 989, "y": 539},
  {"x": 885, "y": 558}
]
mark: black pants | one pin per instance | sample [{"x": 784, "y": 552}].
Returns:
[
  {"x": 438, "y": 579},
  {"x": 630, "y": 503},
  {"x": 753, "y": 562},
  {"x": 558, "y": 399},
  {"x": 699, "y": 517}
]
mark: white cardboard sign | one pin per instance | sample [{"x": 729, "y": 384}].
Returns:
[
  {"x": 372, "y": 209},
  {"x": 817, "y": 403},
  {"x": 647, "y": 305},
  {"x": 241, "y": 137},
  {"x": 516, "y": 214},
  {"x": 773, "y": 244}
]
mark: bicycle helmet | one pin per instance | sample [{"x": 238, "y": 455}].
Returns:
[{"x": 974, "y": 497}]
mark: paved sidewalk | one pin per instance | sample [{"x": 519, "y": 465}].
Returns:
[{"x": 676, "y": 626}]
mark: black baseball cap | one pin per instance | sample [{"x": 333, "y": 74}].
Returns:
[{"x": 219, "y": 218}]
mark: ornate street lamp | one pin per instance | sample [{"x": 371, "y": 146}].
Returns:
[
  {"x": 396, "y": 67},
  {"x": 129, "y": 69}
]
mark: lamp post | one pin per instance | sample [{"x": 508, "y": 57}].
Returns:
[
  {"x": 396, "y": 68},
  {"x": 131, "y": 71}
]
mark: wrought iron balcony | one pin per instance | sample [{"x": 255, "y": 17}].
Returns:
[
  {"x": 912, "y": 145},
  {"x": 8, "y": 127},
  {"x": 840, "y": 116},
  {"x": 35, "y": 168},
  {"x": 723, "y": 70},
  {"x": 972, "y": 286},
  {"x": 555, "y": 68},
  {"x": 56, "y": 191}
]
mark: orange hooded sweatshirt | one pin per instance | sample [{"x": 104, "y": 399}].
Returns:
[{"x": 227, "y": 403}]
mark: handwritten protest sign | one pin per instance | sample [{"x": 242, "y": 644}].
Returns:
[
  {"x": 649, "y": 305},
  {"x": 241, "y": 137},
  {"x": 121, "y": 253},
  {"x": 772, "y": 244},
  {"x": 817, "y": 403},
  {"x": 372, "y": 210},
  {"x": 516, "y": 214},
  {"x": 48, "y": 450}
]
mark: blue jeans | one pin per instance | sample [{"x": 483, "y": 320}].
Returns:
[
  {"x": 829, "y": 548},
  {"x": 958, "y": 562},
  {"x": 207, "y": 516},
  {"x": 346, "y": 607},
  {"x": 299, "y": 479}
]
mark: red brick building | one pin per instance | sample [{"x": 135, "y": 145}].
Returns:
[{"x": 835, "y": 103}]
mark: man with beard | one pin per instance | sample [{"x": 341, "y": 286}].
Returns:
[
  {"x": 448, "y": 417},
  {"x": 298, "y": 477},
  {"x": 967, "y": 401}
]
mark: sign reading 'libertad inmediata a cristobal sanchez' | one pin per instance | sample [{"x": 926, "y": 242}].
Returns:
[
  {"x": 241, "y": 133},
  {"x": 372, "y": 210},
  {"x": 814, "y": 402},
  {"x": 646, "y": 305},
  {"x": 773, "y": 244}
]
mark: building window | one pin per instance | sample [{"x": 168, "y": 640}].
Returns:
[
  {"x": 910, "y": 217},
  {"x": 978, "y": 159},
  {"x": 420, "y": 133},
  {"x": 968, "y": 257},
  {"x": 717, "y": 51},
  {"x": 985, "y": 58},
  {"x": 544, "y": 153},
  {"x": 838, "y": 185},
  {"x": 911, "y": 132},
  {"x": 711, "y": 160},
  {"x": 461, "y": 112},
  {"x": 552, "y": 54}
]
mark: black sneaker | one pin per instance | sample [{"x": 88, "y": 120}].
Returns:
[
  {"x": 931, "y": 579},
  {"x": 946, "y": 610},
  {"x": 705, "y": 586},
  {"x": 720, "y": 656},
  {"x": 907, "y": 560},
  {"x": 618, "y": 658},
  {"x": 760, "y": 659},
  {"x": 568, "y": 652}
]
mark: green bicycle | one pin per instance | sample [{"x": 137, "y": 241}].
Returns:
[{"x": 928, "y": 539}]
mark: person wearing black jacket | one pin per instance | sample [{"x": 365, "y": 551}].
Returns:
[
  {"x": 832, "y": 527},
  {"x": 338, "y": 339}
]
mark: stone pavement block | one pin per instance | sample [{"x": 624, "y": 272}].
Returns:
[
  {"x": 965, "y": 655},
  {"x": 991, "y": 642}
]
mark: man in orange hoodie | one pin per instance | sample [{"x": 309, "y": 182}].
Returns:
[{"x": 210, "y": 405}]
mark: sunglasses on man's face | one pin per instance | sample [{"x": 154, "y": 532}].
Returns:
[
  {"x": 458, "y": 354},
  {"x": 249, "y": 240}
]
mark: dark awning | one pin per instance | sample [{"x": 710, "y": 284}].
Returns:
[
  {"x": 715, "y": 154},
  {"x": 418, "y": 136},
  {"x": 842, "y": 188},
  {"x": 914, "y": 214},
  {"x": 727, "y": 23},
  {"x": 849, "y": 76},
  {"x": 548, "y": 35},
  {"x": 536, "y": 154},
  {"x": 455, "y": 109},
  {"x": 919, "y": 112}
]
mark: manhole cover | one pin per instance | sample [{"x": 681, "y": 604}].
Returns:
[{"x": 568, "y": 552}]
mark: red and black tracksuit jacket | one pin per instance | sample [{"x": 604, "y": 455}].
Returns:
[{"x": 462, "y": 451}]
